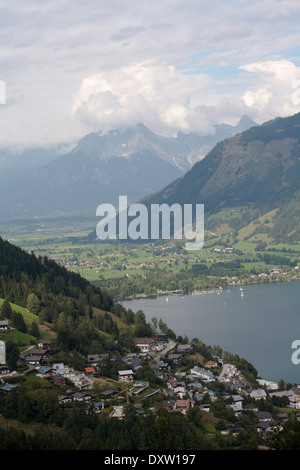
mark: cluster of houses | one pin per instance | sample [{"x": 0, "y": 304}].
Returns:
[{"x": 181, "y": 390}]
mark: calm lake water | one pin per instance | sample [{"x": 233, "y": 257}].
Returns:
[{"x": 260, "y": 326}]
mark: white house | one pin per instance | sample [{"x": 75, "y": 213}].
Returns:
[
  {"x": 145, "y": 344},
  {"x": 202, "y": 374},
  {"x": 125, "y": 376},
  {"x": 258, "y": 394}
]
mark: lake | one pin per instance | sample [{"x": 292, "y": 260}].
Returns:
[{"x": 259, "y": 326}]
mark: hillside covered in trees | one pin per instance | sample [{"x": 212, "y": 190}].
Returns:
[{"x": 83, "y": 317}]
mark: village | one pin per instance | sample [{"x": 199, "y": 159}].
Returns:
[{"x": 180, "y": 388}]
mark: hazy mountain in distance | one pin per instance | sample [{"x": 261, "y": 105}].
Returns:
[
  {"x": 96, "y": 171},
  {"x": 13, "y": 160},
  {"x": 182, "y": 150},
  {"x": 134, "y": 162}
]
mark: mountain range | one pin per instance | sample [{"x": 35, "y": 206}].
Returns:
[
  {"x": 258, "y": 168},
  {"x": 134, "y": 162}
]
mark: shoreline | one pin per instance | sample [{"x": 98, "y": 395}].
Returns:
[{"x": 210, "y": 290}]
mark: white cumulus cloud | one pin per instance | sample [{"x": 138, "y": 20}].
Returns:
[
  {"x": 161, "y": 97},
  {"x": 274, "y": 90}
]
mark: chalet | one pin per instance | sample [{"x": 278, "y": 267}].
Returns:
[
  {"x": 272, "y": 386},
  {"x": 194, "y": 386},
  {"x": 89, "y": 370},
  {"x": 180, "y": 391},
  {"x": 163, "y": 365},
  {"x": 171, "y": 383},
  {"x": 205, "y": 407},
  {"x": 161, "y": 338},
  {"x": 34, "y": 360},
  {"x": 175, "y": 358},
  {"x": 182, "y": 406},
  {"x": 135, "y": 364},
  {"x": 4, "y": 325},
  {"x": 211, "y": 364},
  {"x": 79, "y": 380},
  {"x": 45, "y": 371},
  {"x": 266, "y": 427},
  {"x": 145, "y": 344},
  {"x": 61, "y": 369},
  {"x": 234, "y": 429},
  {"x": 170, "y": 404},
  {"x": 110, "y": 393},
  {"x": 129, "y": 356},
  {"x": 258, "y": 394},
  {"x": 62, "y": 399},
  {"x": 96, "y": 406},
  {"x": 202, "y": 374},
  {"x": 237, "y": 408},
  {"x": 81, "y": 396},
  {"x": 59, "y": 380},
  {"x": 294, "y": 402},
  {"x": 262, "y": 426},
  {"x": 99, "y": 406},
  {"x": 160, "y": 375},
  {"x": 4, "y": 370},
  {"x": 45, "y": 344},
  {"x": 39, "y": 352},
  {"x": 264, "y": 415},
  {"x": 133, "y": 360},
  {"x": 94, "y": 359},
  {"x": 184, "y": 348},
  {"x": 125, "y": 376}
]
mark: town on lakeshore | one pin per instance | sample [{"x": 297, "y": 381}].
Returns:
[{"x": 161, "y": 373}]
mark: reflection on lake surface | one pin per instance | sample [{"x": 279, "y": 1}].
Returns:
[{"x": 259, "y": 323}]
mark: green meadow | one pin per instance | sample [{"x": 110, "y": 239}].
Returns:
[{"x": 68, "y": 242}]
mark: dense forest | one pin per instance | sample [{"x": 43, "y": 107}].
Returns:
[
  {"x": 22, "y": 273},
  {"x": 75, "y": 310}
]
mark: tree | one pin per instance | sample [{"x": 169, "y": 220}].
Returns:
[
  {"x": 33, "y": 304},
  {"x": 12, "y": 354},
  {"x": 286, "y": 438},
  {"x": 154, "y": 323},
  {"x": 281, "y": 385},
  {"x": 34, "y": 330},
  {"x": 140, "y": 318},
  {"x": 18, "y": 321},
  {"x": 6, "y": 309}
]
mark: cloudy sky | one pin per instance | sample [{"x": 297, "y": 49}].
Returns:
[{"x": 69, "y": 67}]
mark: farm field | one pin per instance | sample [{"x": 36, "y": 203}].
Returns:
[{"x": 112, "y": 264}]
